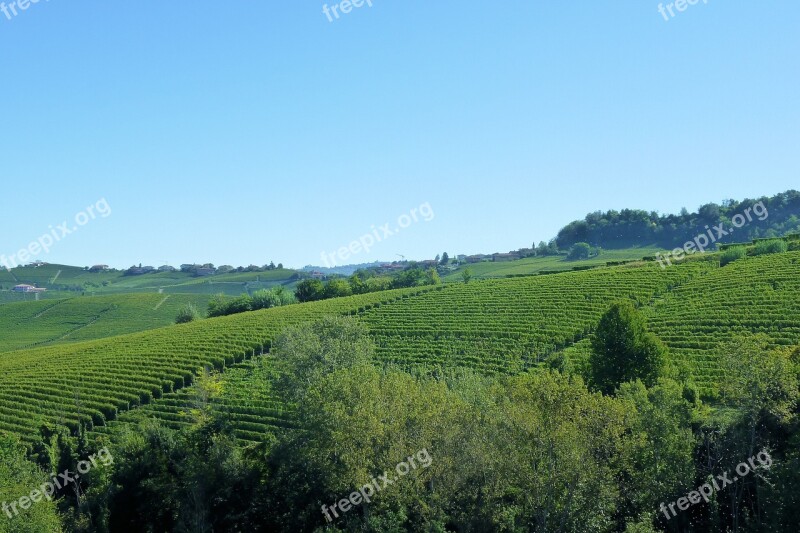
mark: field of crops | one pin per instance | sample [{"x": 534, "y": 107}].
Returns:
[
  {"x": 246, "y": 401},
  {"x": 495, "y": 326},
  {"x": 753, "y": 295},
  {"x": 534, "y": 265},
  {"x": 30, "y": 324},
  {"x": 509, "y": 325},
  {"x": 90, "y": 383},
  {"x": 67, "y": 281}
]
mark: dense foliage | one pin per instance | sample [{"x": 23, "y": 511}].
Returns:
[
  {"x": 623, "y": 350},
  {"x": 632, "y": 227},
  {"x": 533, "y": 452}
]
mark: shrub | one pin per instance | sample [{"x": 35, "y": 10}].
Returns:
[
  {"x": 775, "y": 246},
  {"x": 188, "y": 313},
  {"x": 732, "y": 254},
  {"x": 581, "y": 250}
]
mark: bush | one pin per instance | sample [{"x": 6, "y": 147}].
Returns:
[
  {"x": 775, "y": 246},
  {"x": 269, "y": 298},
  {"x": 188, "y": 313},
  {"x": 732, "y": 254},
  {"x": 581, "y": 250}
]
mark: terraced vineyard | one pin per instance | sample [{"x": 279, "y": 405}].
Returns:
[
  {"x": 246, "y": 401},
  {"x": 495, "y": 326},
  {"x": 30, "y": 324},
  {"x": 753, "y": 295},
  {"x": 509, "y": 325},
  {"x": 92, "y": 382}
]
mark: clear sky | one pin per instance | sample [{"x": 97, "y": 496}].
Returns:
[{"x": 248, "y": 131}]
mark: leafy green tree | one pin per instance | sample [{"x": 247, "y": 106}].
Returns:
[
  {"x": 432, "y": 277},
  {"x": 18, "y": 477},
  {"x": 579, "y": 251},
  {"x": 188, "y": 313},
  {"x": 623, "y": 350},
  {"x": 336, "y": 288},
  {"x": 466, "y": 275},
  {"x": 305, "y": 353},
  {"x": 217, "y": 305},
  {"x": 445, "y": 259},
  {"x": 658, "y": 455},
  {"x": 309, "y": 290}
]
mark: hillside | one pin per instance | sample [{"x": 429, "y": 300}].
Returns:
[
  {"x": 508, "y": 326},
  {"x": 89, "y": 383},
  {"x": 62, "y": 281},
  {"x": 503, "y": 325},
  {"x": 553, "y": 263},
  {"x": 51, "y": 321}
]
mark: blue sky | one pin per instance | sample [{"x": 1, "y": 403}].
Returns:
[{"x": 245, "y": 132}]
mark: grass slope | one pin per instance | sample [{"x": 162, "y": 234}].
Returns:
[
  {"x": 29, "y": 324},
  {"x": 534, "y": 265}
]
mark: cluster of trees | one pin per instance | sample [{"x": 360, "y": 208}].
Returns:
[
  {"x": 277, "y": 296},
  {"x": 541, "y": 451},
  {"x": 224, "y": 269},
  {"x": 364, "y": 281},
  {"x": 631, "y": 227}
]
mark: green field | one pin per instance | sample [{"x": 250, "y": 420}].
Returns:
[
  {"x": 24, "y": 325},
  {"x": 534, "y": 265},
  {"x": 502, "y": 326},
  {"x": 89, "y": 383},
  {"x": 69, "y": 281}
]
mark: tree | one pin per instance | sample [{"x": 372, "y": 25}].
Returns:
[
  {"x": 308, "y": 352},
  {"x": 432, "y": 277},
  {"x": 445, "y": 259},
  {"x": 18, "y": 477},
  {"x": 188, "y": 313},
  {"x": 338, "y": 287},
  {"x": 310, "y": 290},
  {"x": 579, "y": 251},
  {"x": 466, "y": 275},
  {"x": 623, "y": 350}
]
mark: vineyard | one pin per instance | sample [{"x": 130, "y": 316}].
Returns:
[
  {"x": 246, "y": 402},
  {"x": 753, "y": 295},
  {"x": 91, "y": 383},
  {"x": 498, "y": 326},
  {"x": 30, "y": 324},
  {"x": 507, "y": 326}
]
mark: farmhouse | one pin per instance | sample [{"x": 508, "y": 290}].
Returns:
[
  {"x": 99, "y": 268},
  {"x": 477, "y": 258}
]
